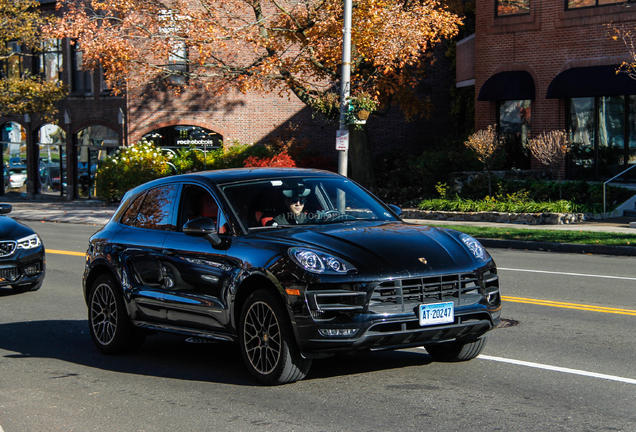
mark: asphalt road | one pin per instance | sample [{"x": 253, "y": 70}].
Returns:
[{"x": 566, "y": 362}]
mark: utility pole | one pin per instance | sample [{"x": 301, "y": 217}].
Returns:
[{"x": 342, "y": 141}]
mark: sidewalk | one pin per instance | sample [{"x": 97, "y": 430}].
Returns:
[
  {"x": 53, "y": 209},
  {"x": 94, "y": 212}
]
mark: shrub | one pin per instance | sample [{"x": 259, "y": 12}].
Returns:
[
  {"x": 280, "y": 160},
  {"x": 535, "y": 194},
  {"x": 128, "y": 168},
  {"x": 231, "y": 155},
  {"x": 507, "y": 205}
]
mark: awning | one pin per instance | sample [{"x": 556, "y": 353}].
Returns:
[
  {"x": 591, "y": 81},
  {"x": 511, "y": 85}
]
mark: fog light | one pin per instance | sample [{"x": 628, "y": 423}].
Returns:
[
  {"x": 493, "y": 297},
  {"x": 338, "y": 332},
  {"x": 32, "y": 269},
  {"x": 496, "y": 315}
]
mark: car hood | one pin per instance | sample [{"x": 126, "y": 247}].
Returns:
[
  {"x": 12, "y": 230},
  {"x": 385, "y": 249}
]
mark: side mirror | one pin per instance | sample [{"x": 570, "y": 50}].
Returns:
[
  {"x": 5, "y": 208},
  {"x": 202, "y": 227},
  {"x": 396, "y": 209}
]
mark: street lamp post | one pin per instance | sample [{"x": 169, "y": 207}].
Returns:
[{"x": 345, "y": 89}]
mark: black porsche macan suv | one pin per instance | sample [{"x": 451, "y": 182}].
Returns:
[{"x": 291, "y": 264}]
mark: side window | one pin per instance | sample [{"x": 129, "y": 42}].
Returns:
[
  {"x": 130, "y": 216},
  {"x": 512, "y": 7},
  {"x": 155, "y": 211},
  {"x": 198, "y": 202}
]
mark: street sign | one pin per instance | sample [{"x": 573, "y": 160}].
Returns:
[{"x": 342, "y": 140}]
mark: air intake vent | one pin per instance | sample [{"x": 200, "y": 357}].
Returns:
[
  {"x": 9, "y": 274},
  {"x": 403, "y": 295}
]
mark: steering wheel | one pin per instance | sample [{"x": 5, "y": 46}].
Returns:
[{"x": 335, "y": 215}]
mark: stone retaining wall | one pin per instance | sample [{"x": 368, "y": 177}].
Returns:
[{"x": 518, "y": 218}]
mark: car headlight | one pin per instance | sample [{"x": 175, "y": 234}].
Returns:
[
  {"x": 319, "y": 262},
  {"x": 475, "y": 247},
  {"x": 29, "y": 242}
]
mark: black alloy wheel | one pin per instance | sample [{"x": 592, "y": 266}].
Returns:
[
  {"x": 110, "y": 327},
  {"x": 267, "y": 342}
]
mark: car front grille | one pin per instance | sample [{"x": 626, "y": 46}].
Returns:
[
  {"x": 7, "y": 247},
  {"x": 9, "y": 274},
  {"x": 403, "y": 295}
]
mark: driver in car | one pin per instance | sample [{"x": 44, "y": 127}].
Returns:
[{"x": 295, "y": 198}]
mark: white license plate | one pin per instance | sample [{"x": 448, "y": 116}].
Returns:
[{"x": 436, "y": 313}]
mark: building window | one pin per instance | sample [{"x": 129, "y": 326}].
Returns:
[
  {"x": 50, "y": 62},
  {"x": 576, "y": 4},
  {"x": 81, "y": 80},
  {"x": 603, "y": 131},
  {"x": 514, "y": 125},
  {"x": 178, "y": 62},
  {"x": 13, "y": 65},
  {"x": 512, "y": 7}
]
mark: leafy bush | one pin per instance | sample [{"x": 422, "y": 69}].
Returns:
[
  {"x": 404, "y": 179},
  {"x": 231, "y": 155},
  {"x": 128, "y": 168},
  {"x": 587, "y": 196},
  {"x": 508, "y": 205},
  {"x": 531, "y": 196},
  {"x": 282, "y": 160}
]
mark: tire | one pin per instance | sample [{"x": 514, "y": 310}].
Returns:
[
  {"x": 456, "y": 351},
  {"x": 108, "y": 321},
  {"x": 267, "y": 341}
]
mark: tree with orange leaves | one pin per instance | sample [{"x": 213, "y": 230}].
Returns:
[
  {"x": 20, "y": 40},
  {"x": 262, "y": 45}
]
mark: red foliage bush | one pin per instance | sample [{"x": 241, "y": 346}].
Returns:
[{"x": 281, "y": 160}]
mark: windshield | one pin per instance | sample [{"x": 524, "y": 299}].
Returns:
[{"x": 302, "y": 201}]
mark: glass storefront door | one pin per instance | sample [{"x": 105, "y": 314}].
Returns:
[
  {"x": 514, "y": 126},
  {"x": 14, "y": 157},
  {"x": 95, "y": 143},
  {"x": 52, "y": 160}
]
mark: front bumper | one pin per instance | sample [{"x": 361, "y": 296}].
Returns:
[
  {"x": 23, "y": 268},
  {"x": 383, "y": 315}
]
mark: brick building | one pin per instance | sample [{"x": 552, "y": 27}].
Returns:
[
  {"x": 60, "y": 158},
  {"x": 545, "y": 65}
]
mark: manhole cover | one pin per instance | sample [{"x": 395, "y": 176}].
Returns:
[{"x": 505, "y": 323}]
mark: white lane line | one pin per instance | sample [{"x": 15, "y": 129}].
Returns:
[
  {"x": 559, "y": 369},
  {"x": 568, "y": 274}
]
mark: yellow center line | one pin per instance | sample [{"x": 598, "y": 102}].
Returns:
[
  {"x": 564, "y": 305},
  {"x": 61, "y": 252}
]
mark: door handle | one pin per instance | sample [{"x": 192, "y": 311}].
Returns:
[{"x": 169, "y": 252}]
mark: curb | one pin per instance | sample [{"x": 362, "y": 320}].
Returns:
[{"x": 559, "y": 247}]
